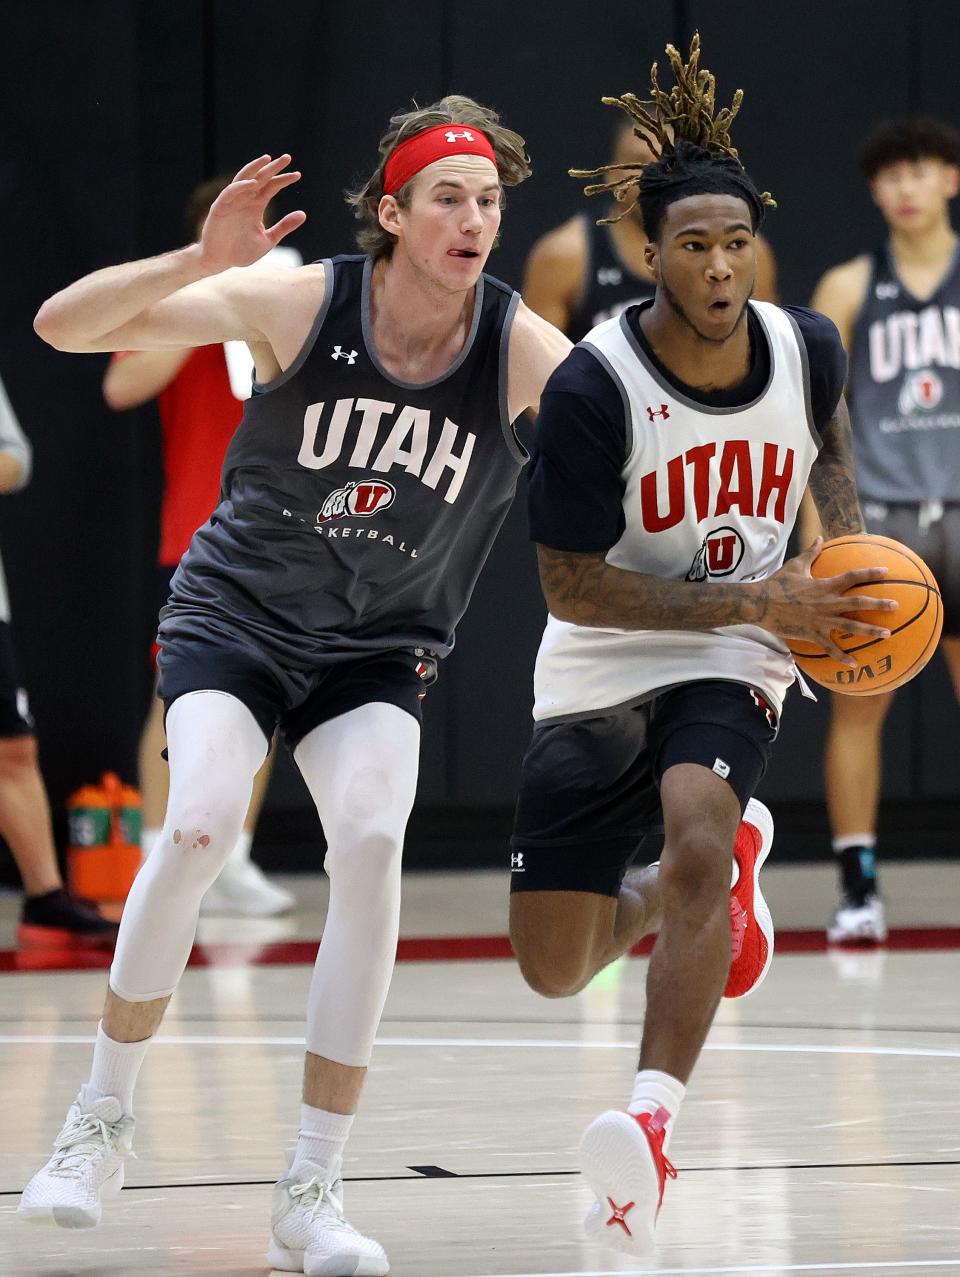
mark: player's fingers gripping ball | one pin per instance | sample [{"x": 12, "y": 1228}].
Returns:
[{"x": 882, "y": 664}]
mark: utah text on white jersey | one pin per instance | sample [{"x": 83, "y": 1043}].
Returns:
[{"x": 710, "y": 494}]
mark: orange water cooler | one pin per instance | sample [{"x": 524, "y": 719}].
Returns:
[{"x": 104, "y": 851}]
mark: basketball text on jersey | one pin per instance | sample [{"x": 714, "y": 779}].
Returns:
[{"x": 364, "y": 432}]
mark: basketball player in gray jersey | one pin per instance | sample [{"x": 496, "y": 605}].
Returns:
[
  {"x": 361, "y": 493},
  {"x": 898, "y": 312},
  {"x": 581, "y": 273}
]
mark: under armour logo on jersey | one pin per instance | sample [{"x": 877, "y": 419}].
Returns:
[
  {"x": 609, "y": 275},
  {"x": 886, "y": 292},
  {"x": 663, "y": 411},
  {"x": 516, "y": 862},
  {"x": 349, "y": 355},
  {"x": 465, "y": 134}
]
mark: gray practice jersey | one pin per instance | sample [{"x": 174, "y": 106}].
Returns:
[
  {"x": 356, "y": 510},
  {"x": 905, "y": 388}
]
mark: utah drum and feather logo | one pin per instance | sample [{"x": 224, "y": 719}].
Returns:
[{"x": 361, "y": 498}]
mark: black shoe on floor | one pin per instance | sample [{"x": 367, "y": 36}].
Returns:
[{"x": 57, "y": 918}]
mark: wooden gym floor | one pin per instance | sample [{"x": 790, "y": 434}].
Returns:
[{"x": 821, "y": 1133}]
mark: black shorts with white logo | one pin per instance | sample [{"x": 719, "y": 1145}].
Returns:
[
  {"x": 15, "y": 717},
  {"x": 293, "y": 700},
  {"x": 932, "y": 530},
  {"x": 590, "y": 787}
]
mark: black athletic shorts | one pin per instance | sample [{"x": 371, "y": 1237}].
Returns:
[
  {"x": 15, "y": 717},
  {"x": 932, "y": 530},
  {"x": 589, "y": 791},
  {"x": 293, "y": 700}
]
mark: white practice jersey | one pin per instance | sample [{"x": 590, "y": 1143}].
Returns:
[{"x": 711, "y": 494}]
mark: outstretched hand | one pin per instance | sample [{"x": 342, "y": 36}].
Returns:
[
  {"x": 234, "y": 233},
  {"x": 798, "y": 605}
]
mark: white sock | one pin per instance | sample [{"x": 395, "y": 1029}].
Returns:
[
  {"x": 846, "y": 841},
  {"x": 115, "y": 1068},
  {"x": 323, "y": 1137},
  {"x": 148, "y": 840},
  {"x": 653, "y": 1090}
]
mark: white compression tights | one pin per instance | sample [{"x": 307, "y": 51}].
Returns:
[
  {"x": 361, "y": 770},
  {"x": 215, "y": 748}
]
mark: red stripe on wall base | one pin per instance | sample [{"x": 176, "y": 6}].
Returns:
[{"x": 422, "y": 949}]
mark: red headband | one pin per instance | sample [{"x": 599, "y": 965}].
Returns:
[{"x": 407, "y": 159}]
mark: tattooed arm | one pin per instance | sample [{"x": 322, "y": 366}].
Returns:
[
  {"x": 833, "y": 482},
  {"x": 584, "y": 589}
]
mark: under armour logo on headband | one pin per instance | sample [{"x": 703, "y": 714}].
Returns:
[{"x": 429, "y": 145}]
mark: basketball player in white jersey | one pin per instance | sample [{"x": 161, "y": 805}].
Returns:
[
  {"x": 898, "y": 312},
  {"x": 581, "y": 273},
  {"x": 362, "y": 491},
  {"x": 673, "y": 447}
]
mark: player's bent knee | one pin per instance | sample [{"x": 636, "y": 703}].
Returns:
[
  {"x": 365, "y": 851},
  {"x": 695, "y": 866},
  {"x": 201, "y": 833},
  {"x": 553, "y": 961},
  {"x": 549, "y": 978}
]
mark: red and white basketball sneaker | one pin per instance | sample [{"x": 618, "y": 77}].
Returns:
[
  {"x": 751, "y": 927},
  {"x": 622, "y": 1159}
]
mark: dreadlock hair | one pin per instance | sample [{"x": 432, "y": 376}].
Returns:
[
  {"x": 920, "y": 137},
  {"x": 691, "y": 142}
]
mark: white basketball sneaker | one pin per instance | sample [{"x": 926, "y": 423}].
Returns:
[
  {"x": 855, "y": 923},
  {"x": 243, "y": 890},
  {"x": 622, "y": 1159},
  {"x": 86, "y": 1166},
  {"x": 310, "y": 1234}
]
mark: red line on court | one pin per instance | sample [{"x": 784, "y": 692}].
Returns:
[{"x": 421, "y": 949}]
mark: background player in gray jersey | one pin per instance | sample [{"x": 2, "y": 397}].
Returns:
[
  {"x": 579, "y": 273},
  {"x": 432, "y": 210},
  {"x": 898, "y": 312}
]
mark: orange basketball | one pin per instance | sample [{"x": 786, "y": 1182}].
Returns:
[{"x": 882, "y": 664}]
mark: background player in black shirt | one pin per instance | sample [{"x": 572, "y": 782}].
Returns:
[
  {"x": 361, "y": 494},
  {"x": 581, "y": 273}
]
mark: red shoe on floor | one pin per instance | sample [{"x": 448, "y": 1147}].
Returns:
[
  {"x": 751, "y": 926},
  {"x": 60, "y": 920},
  {"x": 622, "y": 1159}
]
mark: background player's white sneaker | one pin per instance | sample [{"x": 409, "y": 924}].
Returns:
[
  {"x": 859, "y": 923},
  {"x": 310, "y": 1234},
  {"x": 86, "y": 1166},
  {"x": 243, "y": 890}
]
